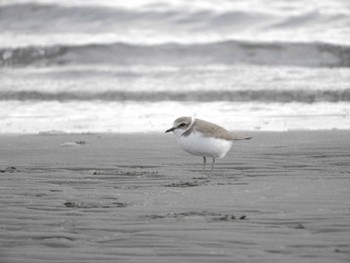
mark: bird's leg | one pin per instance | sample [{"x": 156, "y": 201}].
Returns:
[
  {"x": 204, "y": 162},
  {"x": 212, "y": 166}
]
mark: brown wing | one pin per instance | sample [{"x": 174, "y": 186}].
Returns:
[{"x": 212, "y": 130}]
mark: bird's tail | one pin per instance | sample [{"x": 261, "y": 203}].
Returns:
[{"x": 241, "y": 137}]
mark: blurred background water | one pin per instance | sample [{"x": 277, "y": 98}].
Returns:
[{"x": 130, "y": 66}]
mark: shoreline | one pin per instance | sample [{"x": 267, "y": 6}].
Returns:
[
  {"x": 154, "y": 133},
  {"x": 280, "y": 197}
]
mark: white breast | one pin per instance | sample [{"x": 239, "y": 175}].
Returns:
[{"x": 197, "y": 144}]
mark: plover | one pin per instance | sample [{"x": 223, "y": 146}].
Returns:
[{"x": 203, "y": 138}]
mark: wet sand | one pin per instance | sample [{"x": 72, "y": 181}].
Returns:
[{"x": 280, "y": 197}]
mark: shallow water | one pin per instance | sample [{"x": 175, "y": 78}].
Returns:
[{"x": 112, "y": 99}]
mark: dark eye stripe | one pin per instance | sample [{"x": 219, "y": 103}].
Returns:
[{"x": 182, "y": 124}]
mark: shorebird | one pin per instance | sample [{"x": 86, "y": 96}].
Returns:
[{"x": 203, "y": 138}]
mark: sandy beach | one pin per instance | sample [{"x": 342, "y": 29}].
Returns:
[{"x": 280, "y": 197}]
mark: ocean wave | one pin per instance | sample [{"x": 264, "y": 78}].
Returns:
[
  {"x": 279, "y": 96},
  {"x": 226, "y": 53},
  {"x": 93, "y": 15},
  {"x": 69, "y": 18},
  {"x": 54, "y": 22},
  {"x": 52, "y": 18}
]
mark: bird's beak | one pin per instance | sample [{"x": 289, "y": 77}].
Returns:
[{"x": 170, "y": 130}]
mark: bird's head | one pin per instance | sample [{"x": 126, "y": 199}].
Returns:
[{"x": 180, "y": 125}]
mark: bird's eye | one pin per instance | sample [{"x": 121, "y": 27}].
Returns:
[{"x": 182, "y": 124}]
